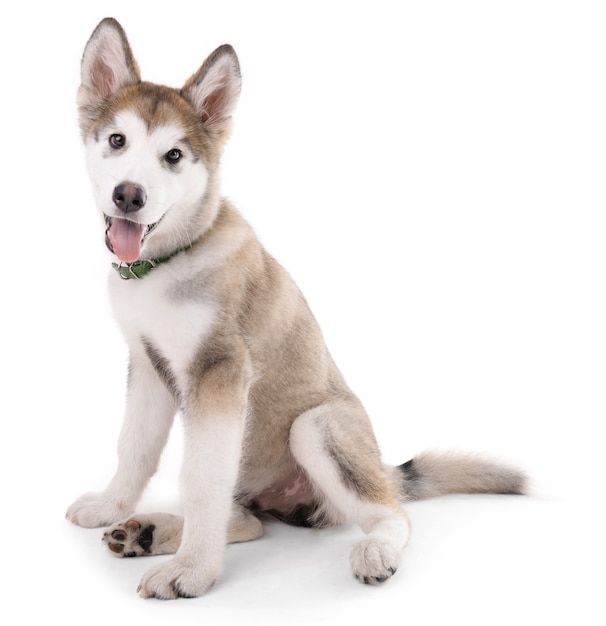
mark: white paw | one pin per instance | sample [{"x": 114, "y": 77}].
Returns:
[
  {"x": 374, "y": 560},
  {"x": 130, "y": 538},
  {"x": 94, "y": 510},
  {"x": 145, "y": 535},
  {"x": 177, "y": 579}
]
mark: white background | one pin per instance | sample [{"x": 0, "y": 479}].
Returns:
[{"x": 432, "y": 175}]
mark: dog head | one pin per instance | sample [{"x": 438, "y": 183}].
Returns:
[{"x": 153, "y": 151}]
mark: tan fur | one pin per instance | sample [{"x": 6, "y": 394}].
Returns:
[{"x": 434, "y": 474}]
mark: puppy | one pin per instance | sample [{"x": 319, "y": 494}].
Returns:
[{"x": 218, "y": 332}]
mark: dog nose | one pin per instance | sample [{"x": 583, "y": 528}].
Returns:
[{"x": 129, "y": 197}]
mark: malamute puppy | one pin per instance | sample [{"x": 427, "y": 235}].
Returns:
[{"x": 219, "y": 332}]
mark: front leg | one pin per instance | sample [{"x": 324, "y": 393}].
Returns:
[
  {"x": 214, "y": 420},
  {"x": 150, "y": 410}
]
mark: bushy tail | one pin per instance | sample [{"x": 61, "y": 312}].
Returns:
[{"x": 434, "y": 474}]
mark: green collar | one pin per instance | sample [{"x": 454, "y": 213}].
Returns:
[{"x": 139, "y": 269}]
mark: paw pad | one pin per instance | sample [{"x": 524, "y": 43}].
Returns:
[{"x": 130, "y": 538}]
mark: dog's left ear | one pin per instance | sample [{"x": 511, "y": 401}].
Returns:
[{"x": 214, "y": 89}]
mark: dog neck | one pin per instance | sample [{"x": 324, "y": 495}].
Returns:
[{"x": 140, "y": 269}]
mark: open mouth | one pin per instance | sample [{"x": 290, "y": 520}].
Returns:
[{"x": 124, "y": 238}]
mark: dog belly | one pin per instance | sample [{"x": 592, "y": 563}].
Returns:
[{"x": 291, "y": 491}]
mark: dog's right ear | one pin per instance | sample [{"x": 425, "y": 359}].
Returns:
[{"x": 107, "y": 64}]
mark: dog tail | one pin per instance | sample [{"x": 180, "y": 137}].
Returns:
[{"x": 434, "y": 474}]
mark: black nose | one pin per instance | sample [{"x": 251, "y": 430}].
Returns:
[{"x": 129, "y": 197}]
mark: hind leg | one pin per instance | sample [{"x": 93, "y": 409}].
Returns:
[
  {"x": 335, "y": 445},
  {"x": 160, "y": 533},
  {"x": 145, "y": 535}
]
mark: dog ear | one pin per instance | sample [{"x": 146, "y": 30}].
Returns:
[
  {"x": 107, "y": 64},
  {"x": 214, "y": 89}
]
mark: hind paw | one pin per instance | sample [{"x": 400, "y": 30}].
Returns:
[
  {"x": 374, "y": 560},
  {"x": 145, "y": 535},
  {"x": 130, "y": 538}
]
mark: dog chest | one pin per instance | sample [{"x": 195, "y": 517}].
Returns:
[{"x": 147, "y": 310}]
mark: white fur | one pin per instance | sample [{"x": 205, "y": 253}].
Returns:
[
  {"x": 175, "y": 328},
  {"x": 142, "y": 162},
  {"x": 148, "y": 417},
  {"x": 147, "y": 309},
  {"x": 212, "y": 444},
  {"x": 377, "y": 556},
  {"x": 208, "y": 478}
]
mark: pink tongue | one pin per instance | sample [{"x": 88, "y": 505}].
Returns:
[{"x": 125, "y": 237}]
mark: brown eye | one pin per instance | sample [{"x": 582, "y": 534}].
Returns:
[
  {"x": 117, "y": 141},
  {"x": 173, "y": 156}
]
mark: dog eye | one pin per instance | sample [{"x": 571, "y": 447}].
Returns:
[
  {"x": 173, "y": 156},
  {"x": 117, "y": 141}
]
